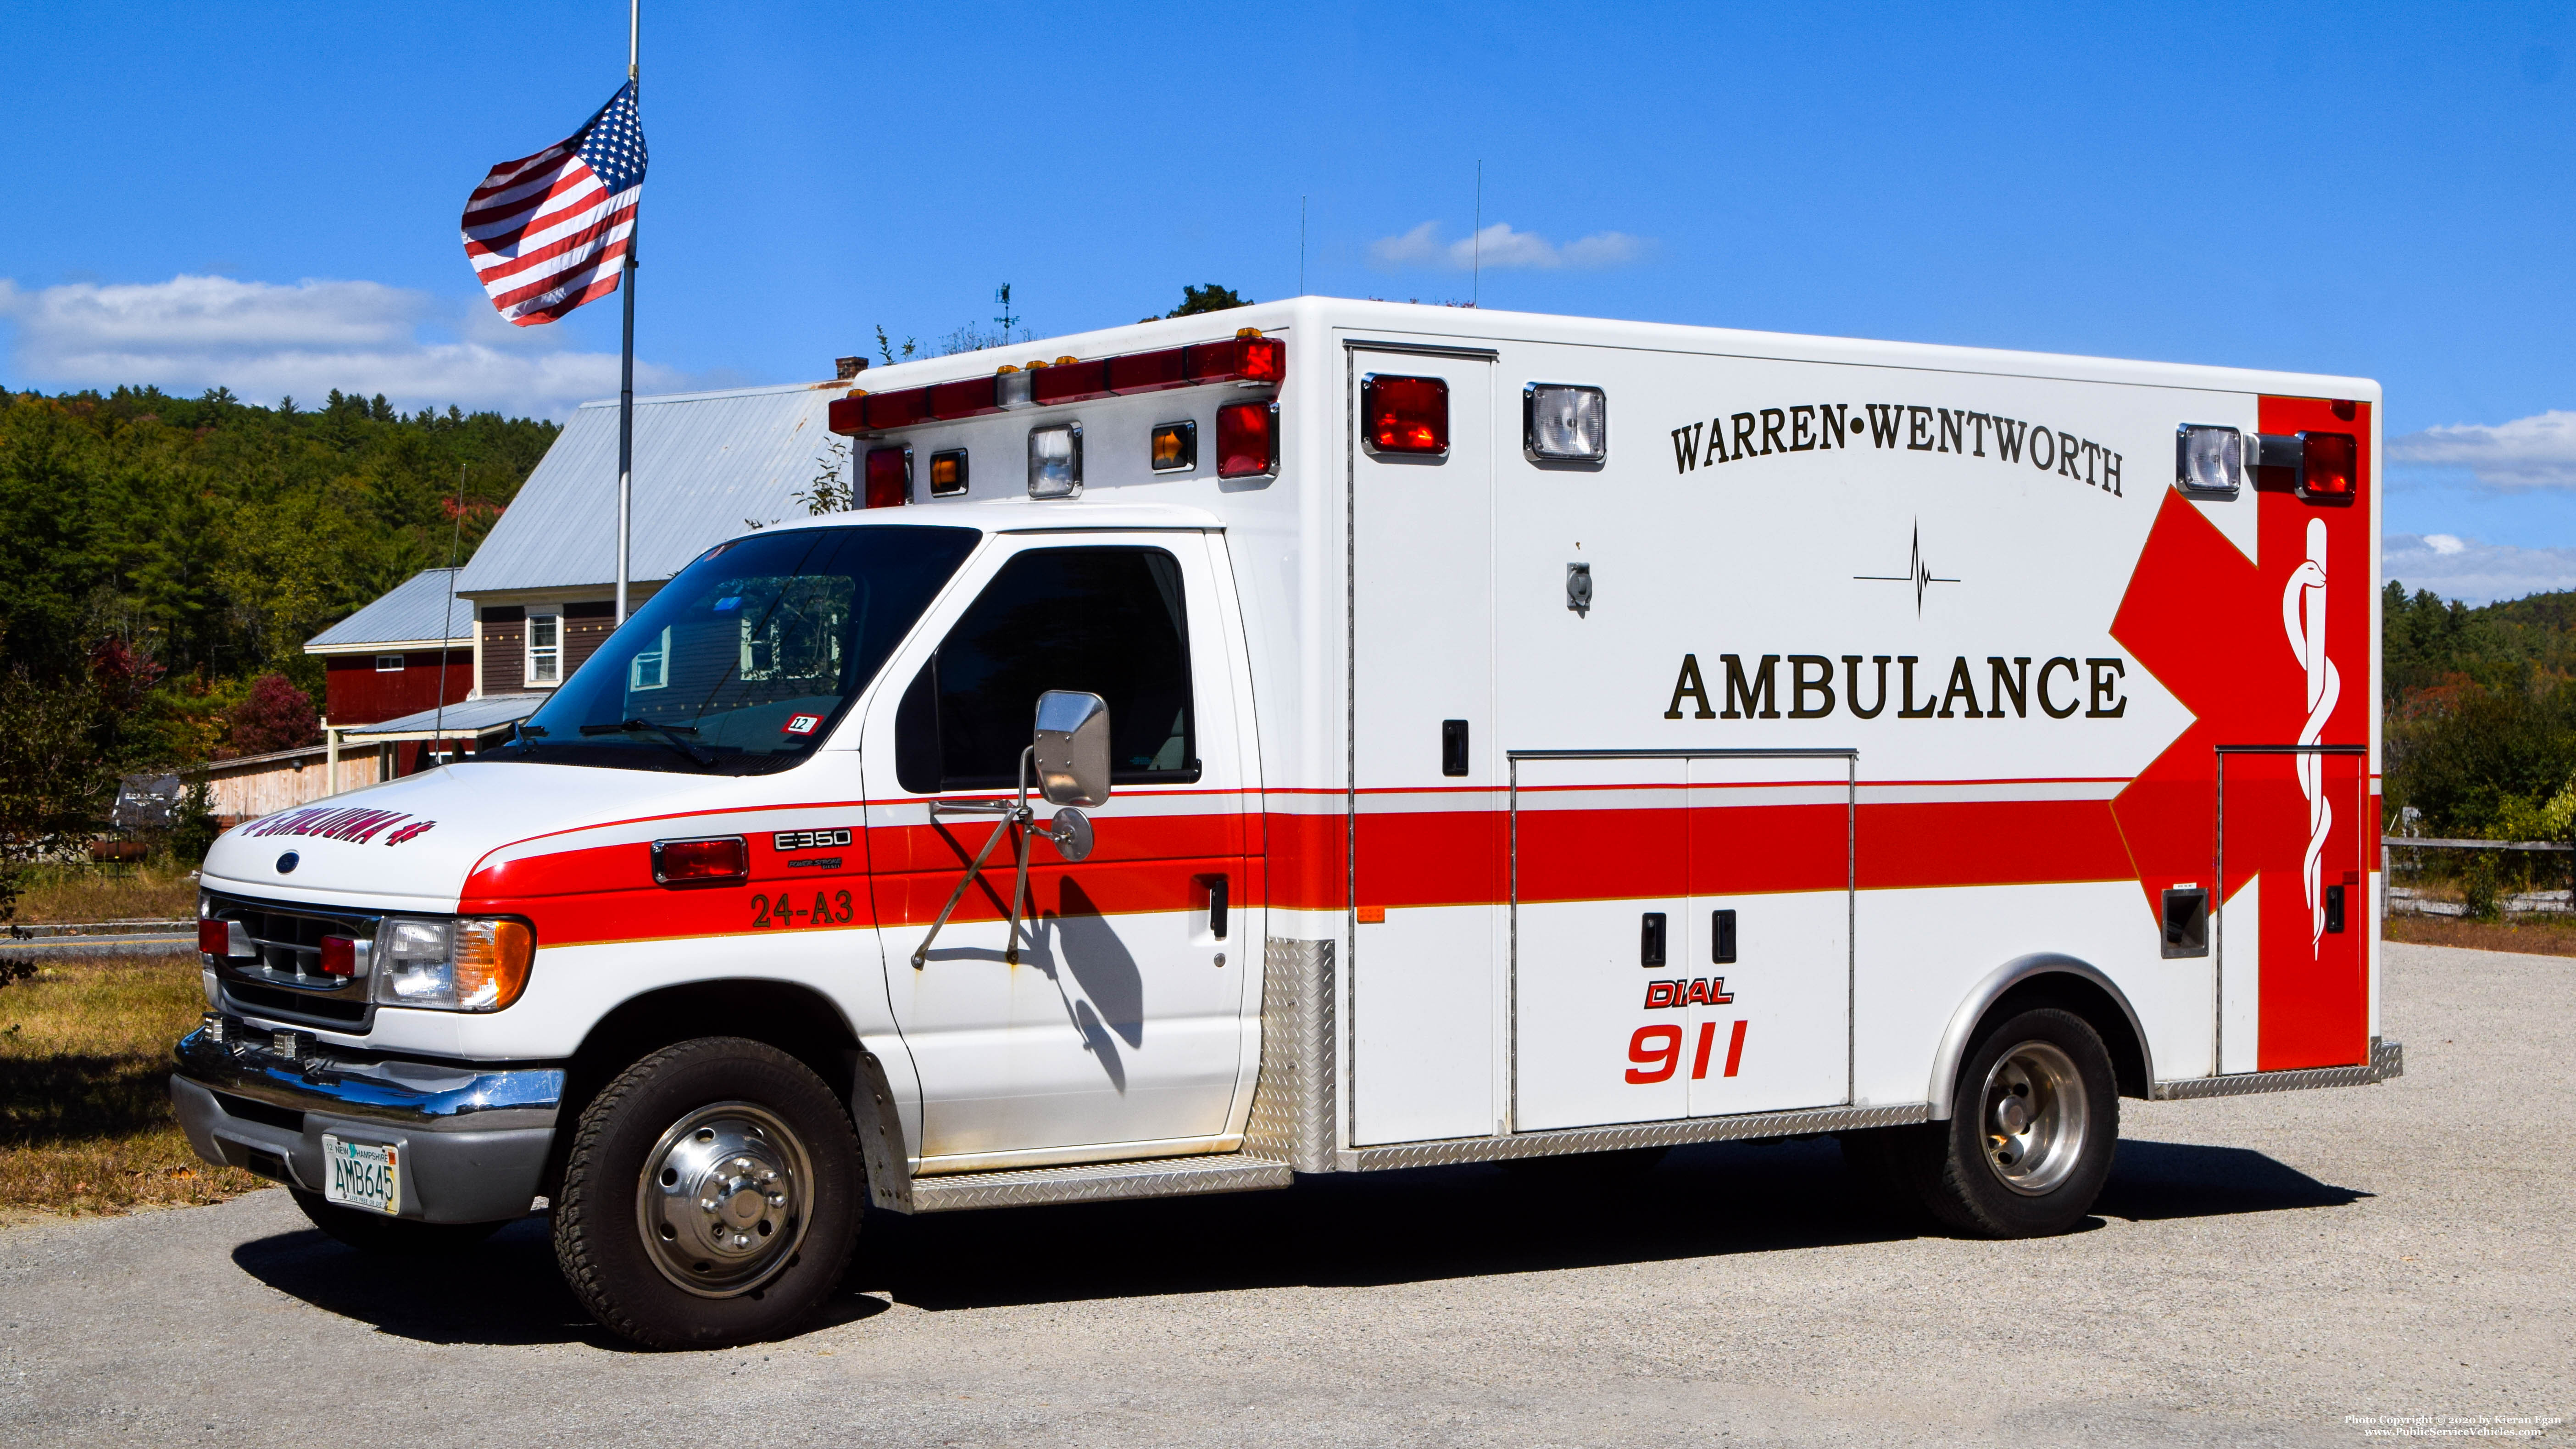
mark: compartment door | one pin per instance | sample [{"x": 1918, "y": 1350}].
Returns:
[
  {"x": 1600, "y": 865},
  {"x": 2293, "y": 960},
  {"x": 1766, "y": 991}
]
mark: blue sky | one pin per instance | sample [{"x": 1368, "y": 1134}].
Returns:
[{"x": 269, "y": 198}]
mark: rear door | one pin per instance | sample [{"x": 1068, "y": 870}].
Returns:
[
  {"x": 2293, "y": 949},
  {"x": 1111, "y": 1022}
]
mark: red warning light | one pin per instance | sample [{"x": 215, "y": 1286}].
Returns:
[
  {"x": 889, "y": 477},
  {"x": 2328, "y": 467},
  {"x": 1406, "y": 414}
]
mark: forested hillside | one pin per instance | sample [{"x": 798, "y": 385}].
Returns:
[
  {"x": 2481, "y": 714},
  {"x": 173, "y": 550}
]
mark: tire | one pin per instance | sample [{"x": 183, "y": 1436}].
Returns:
[
  {"x": 2035, "y": 1119},
  {"x": 385, "y": 1237},
  {"x": 711, "y": 1197}
]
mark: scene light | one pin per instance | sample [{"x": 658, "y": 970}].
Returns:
[
  {"x": 1563, "y": 423},
  {"x": 2209, "y": 460},
  {"x": 1055, "y": 460}
]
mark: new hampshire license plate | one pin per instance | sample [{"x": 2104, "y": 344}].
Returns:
[{"x": 362, "y": 1175}]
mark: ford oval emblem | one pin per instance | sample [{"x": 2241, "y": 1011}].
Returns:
[{"x": 286, "y": 863}]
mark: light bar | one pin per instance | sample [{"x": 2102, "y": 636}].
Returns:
[
  {"x": 1246, "y": 358},
  {"x": 2209, "y": 460}
]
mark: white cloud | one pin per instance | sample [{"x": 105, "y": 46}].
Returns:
[
  {"x": 265, "y": 341},
  {"x": 1499, "y": 247},
  {"x": 2533, "y": 452},
  {"x": 2480, "y": 573}
]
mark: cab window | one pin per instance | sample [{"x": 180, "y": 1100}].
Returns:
[{"x": 1108, "y": 621}]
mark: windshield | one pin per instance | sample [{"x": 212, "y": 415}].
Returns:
[{"x": 743, "y": 663}]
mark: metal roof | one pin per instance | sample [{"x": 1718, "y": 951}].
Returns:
[
  {"x": 456, "y": 721},
  {"x": 704, "y": 462},
  {"x": 408, "y": 614}
]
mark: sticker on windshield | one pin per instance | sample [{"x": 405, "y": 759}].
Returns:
[
  {"x": 803, "y": 724},
  {"x": 729, "y": 601}
]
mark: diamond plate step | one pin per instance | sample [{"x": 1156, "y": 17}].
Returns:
[{"x": 1098, "y": 1182}]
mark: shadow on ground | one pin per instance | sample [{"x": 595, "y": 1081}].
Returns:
[{"x": 1337, "y": 1231}]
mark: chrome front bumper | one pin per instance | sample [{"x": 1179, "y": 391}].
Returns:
[{"x": 473, "y": 1139}]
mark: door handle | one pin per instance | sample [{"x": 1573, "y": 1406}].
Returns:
[{"x": 1216, "y": 888}]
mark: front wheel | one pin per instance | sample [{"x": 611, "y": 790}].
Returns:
[
  {"x": 711, "y": 1196},
  {"x": 2033, "y": 1126}
]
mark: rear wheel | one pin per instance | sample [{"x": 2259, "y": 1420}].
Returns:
[
  {"x": 711, "y": 1196},
  {"x": 2034, "y": 1122},
  {"x": 390, "y": 1237}
]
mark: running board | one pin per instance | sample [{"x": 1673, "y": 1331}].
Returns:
[
  {"x": 2387, "y": 1059},
  {"x": 1801, "y": 1123},
  {"x": 1097, "y": 1182}
]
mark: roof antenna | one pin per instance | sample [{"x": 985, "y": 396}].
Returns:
[
  {"x": 1476, "y": 279},
  {"x": 1301, "y": 246},
  {"x": 447, "y": 621}
]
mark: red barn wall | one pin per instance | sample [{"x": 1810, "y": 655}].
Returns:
[{"x": 356, "y": 692}]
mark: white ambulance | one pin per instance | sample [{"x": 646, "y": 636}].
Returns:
[{"x": 1338, "y": 736}]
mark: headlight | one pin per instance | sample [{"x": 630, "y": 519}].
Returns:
[{"x": 479, "y": 963}]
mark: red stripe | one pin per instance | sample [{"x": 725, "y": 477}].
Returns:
[{"x": 1407, "y": 859}]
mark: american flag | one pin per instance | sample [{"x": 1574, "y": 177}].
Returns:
[{"x": 549, "y": 232}]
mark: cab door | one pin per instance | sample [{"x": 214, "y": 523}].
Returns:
[{"x": 1110, "y": 1021}]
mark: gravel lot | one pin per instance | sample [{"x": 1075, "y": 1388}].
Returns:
[{"x": 2261, "y": 1269}]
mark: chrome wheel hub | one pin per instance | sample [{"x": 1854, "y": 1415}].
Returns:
[
  {"x": 724, "y": 1198},
  {"x": 2035, "y": 1117}
]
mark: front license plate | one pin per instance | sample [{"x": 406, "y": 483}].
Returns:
[{"x": 362, "y": 1175}]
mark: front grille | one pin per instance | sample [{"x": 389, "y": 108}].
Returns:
[
  {"x": 301, "y": 1005},
  {"x": 284, "y": 979}
]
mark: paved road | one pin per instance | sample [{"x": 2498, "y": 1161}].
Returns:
[{"x": 2261, "y": 1268}]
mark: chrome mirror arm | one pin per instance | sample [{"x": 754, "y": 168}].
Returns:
[{"x": 1015, "y": 813}]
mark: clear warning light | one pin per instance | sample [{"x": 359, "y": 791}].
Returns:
[
  {"x": 2209, "y": 461},
  {"x": 1564, "y": 424}
]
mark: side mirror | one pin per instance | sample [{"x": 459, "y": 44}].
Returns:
[{"x": 1072, "y": 746}]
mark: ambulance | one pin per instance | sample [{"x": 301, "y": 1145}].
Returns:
[{"x": 1338, "y": 736}]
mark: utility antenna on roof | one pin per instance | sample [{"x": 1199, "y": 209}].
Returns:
[
  {"x": 1476, "y": 278},
  {"x": 447, "y": 620}
]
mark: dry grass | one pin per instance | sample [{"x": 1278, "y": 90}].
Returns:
[
  {"x": 85, "y": 1123},
  {"x": 2537, "y": 937},
  {"x": 154, "y": 891}
]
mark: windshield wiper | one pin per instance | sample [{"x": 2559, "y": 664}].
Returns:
[{"x": 674, "y": 735}]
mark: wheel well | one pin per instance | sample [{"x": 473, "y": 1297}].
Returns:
[
  {"x": 797, "y": 1020},
  {"x": 2109, "y": 1020}
]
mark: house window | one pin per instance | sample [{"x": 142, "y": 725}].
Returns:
[
  {"x": 651, "y": 667},
  {"x": 545, "y": 648},
  {"x": 389, "y": 663}
]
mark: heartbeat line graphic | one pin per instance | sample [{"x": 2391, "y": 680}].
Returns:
[{"x": 1917, "y": 573}]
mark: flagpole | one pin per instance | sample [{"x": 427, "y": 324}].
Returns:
[{"x": 626, "y": 359}]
